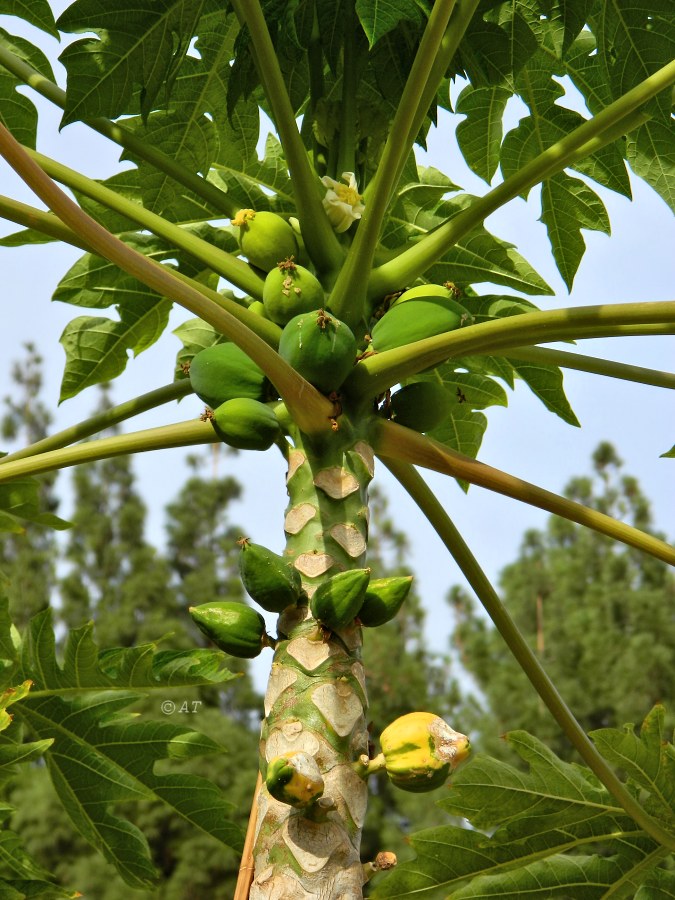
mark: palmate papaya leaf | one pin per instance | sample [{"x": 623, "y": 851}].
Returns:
[
  {"x": 479, "y": 135},
  {"x": 97, "y": 752},
  {"x": 37, "y": 12},
  {"x": 21, "y": 877},
  {"x": 196, "y": 129},
  {"x": 259, "y": 184},
  {"x": 17, "y": 111},
  {"x": 96, "y": 347},
  {"x": 478, "y": 257},
  {"x": 533, "y": 819},
  {"x": 134, "y": 47},
  {"x": 20, "y": 503},
  {"x": 195, "y": 335},
  {"x": 382, "y": 16},
  {"x": 670, "y": 454}
]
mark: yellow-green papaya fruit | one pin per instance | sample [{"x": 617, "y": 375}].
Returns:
[
  {"x": 265, "y": 239},
  {"x": 246, "y": 424},
  {"x": 424, "y": 291},
  {"x": 420, "y": 750},
  {"x": 320, "y": 347},
  {"x": 415, "y": 320},
  {"x": 294, "y": 778},
  {"x": 223, "y": 372},
  {"x": 289, "y": 290},
  {"x": 233, "y": 627}
]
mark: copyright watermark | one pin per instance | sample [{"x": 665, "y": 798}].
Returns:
[{"x": 169, "y": 707}]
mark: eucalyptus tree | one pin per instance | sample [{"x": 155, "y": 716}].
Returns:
[{"x": 352, "y": 330}]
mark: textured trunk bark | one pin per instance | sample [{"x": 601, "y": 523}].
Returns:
[{"x": 316, "y": 697}]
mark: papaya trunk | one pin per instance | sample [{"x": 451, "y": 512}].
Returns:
[{"x": 316, "y": 697}]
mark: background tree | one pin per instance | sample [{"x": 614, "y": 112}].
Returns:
[
  {"x": 599, "y": 616},
  {"x": 27, "y": 550}
]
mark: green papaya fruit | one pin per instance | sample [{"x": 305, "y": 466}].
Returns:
[
  {"x": 265, "y": 238},
  {"x": 420, "y": 750},
  {"x": 424, "y": 291},
  {"x": 320, "y": 347},
  {"x": 289, "y": 290},
  {"x": 223, "y": 372},
  {"x": 383, "y": 599},
  {"x": 271, "y": 580},
  {"x": 258, "y": 307},
  {"x": 421, "y": 405},
  {"x": 338, "y": 600},
  {"x": 233, "y": 627},
  {"x": 246, "y": 424},
  {"x": 415, "y": 320},
  {"x": 294, "y": 778}
]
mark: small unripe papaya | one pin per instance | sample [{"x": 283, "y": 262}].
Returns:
[
  {"x": 420, "y": 750},
  {"x": 337, "y": 601},
  {"x": 289, "y": 290},
  {"x": 294, "y": 778},
  {"x": 233, "y": 627},
  {"x": 264, "y": 238},
  {"x": 415, "y": 320},
  {"x": 383, "y": 599},
  {"x": 320, "y": 347},
  {"x": 271, "y": 580},
  {"x": 246, "y": 424},
  {"x": 223, "y": 372},
  {"x": 421, "y": 405},
  {"x": 424, "y": 291}
]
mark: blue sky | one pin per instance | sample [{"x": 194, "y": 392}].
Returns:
[{"x": 636, "y": 262}]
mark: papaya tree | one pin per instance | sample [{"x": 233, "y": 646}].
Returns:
[{"x": 338, "y": 318}]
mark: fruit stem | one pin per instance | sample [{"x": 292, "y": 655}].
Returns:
[
  {"x": 322, "y": 244},
  {"x": 395, "y": 442},
  {"x": 412, "y": 263},
  {"x": 374, "y": 374},
  {"x": 218, "y": 199},
  {"x": 230, "y": 267},
  {"x": 420, "y": 492},
  {"x": 348, "y": 297}
]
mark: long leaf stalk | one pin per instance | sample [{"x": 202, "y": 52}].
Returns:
[
  {"x": 39, "y": 220},
  {"x": 376, "y": 373},
  {"x": 311, "y": 410},
  {"x": 131, "y": 141},
  {"x": 230, "y": 267},
  {"x": 417, "y": 259},
  {"x": 317, "y": 232},
  {"x": 592, "y": 364},
  {"x": 460, "y": 19},
  {"x": 49, "y": 225},
  {"x": 103, "y": 420},
  {"x": 353, "y": 278},
  {"x": 392, "y": 441},
  {"x": 420, "y": 492},
  {"x": 164, "y": 437},
  {"x": 346, "y": 159}
]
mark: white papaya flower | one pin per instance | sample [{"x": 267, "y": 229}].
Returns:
[{"x": 342, "y": 201}]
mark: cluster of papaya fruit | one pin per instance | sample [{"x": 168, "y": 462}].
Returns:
[
  {"x": 313, "y": 341},
  {"x": 274, "y": 584}
]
